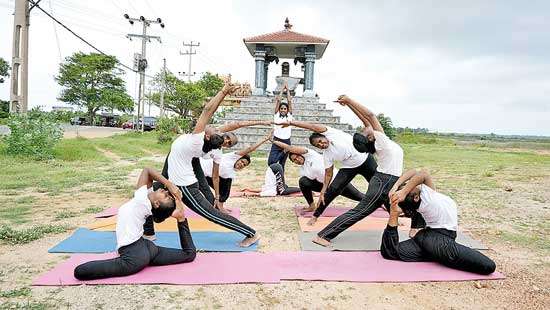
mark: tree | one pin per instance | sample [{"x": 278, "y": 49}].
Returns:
[
  {"x": 183, "y": 98},
  {"x": 386, "y": 123},
  {"x": 4, "y": 68},
  {"x": 93, "y": 81},
  {"x": 211, "y": 84}
]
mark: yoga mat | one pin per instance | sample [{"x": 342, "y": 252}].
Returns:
[
  {"x": 90, "y": 241},
  {"x": 248, "y": 192},
  {"x": 368, "y": 241},
  {"x": 207, "y": 268},
  {"x": 112, "y": 211},
  {"x": 170, "y": 224},
  {"x": 363, "y": 267},
  {"x": 368, "y": 223},
  {"x": 336, "y": 211},
  {"x": 253, "y": 267}
]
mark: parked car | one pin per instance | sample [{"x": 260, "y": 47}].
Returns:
[
  {"x": 78, "y": 120},
  {"x": 128, "y": 125},
  {"x": 150, "y": 123}
]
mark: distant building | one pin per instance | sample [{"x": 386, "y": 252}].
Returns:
[{"x": 60, "y": 108}]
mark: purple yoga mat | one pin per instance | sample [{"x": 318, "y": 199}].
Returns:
[
  {"x": 364, "y": 267},
  {"x": 211, "y": 268},
  {"x": 112, "y": 211},
  {"x": 335, "y": 211},
  {"x": 253, "y": 267}
]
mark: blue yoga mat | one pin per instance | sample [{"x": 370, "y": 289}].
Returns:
[{"x": 84, "y": 240}]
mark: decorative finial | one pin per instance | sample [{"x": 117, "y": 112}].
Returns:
[{"x": 288, "y": 25}]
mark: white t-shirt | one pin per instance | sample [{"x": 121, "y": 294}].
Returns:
[
  {"x": 389, "y": 155},
  {"x": 438, "y": 210},
  {"x": 313, "y": 167},
  {"x": 341, "y": 149},
  {"x": 227, "y": 165},
  {"x": 269, "y": 189},
  {"x": 280, "y": 132},
  {"x": 183, "y": 150},
  {"x": 131, "y": 216}
]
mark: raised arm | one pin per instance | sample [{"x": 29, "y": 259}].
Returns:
[
  {"x": 211, "y": 107},
  {"x": 288, "y": 99},
  {"x": 291, "y": 148},
  {"x": 309, "y": 126},
  {"x": 413, "y": 179},
  {"x": 148, "y": 175},
  {"x": 362, "y": 112},
  {"x": 237, "y": 125},
  {"x": 253, "y": 147},
  {"x": 277, "y": 103}
]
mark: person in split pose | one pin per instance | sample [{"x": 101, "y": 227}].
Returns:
[
  {"x": 436, "y": 242},
  {"x": 135, "y": 252}
]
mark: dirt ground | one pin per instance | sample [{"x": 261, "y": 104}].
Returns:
[{"x": 527, "y": 270}]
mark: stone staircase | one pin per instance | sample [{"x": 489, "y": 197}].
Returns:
[{"x": 262, "y": 108}]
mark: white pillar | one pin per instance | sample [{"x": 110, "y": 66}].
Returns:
[{"x": 259, "y": 57}]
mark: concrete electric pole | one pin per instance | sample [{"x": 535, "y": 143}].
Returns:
[
  {"x": 20, "y": 57},
  {"x": 190, "y": 52},
  {"x": 142, "y": 63},
  {"x": 163, "y": 87}
]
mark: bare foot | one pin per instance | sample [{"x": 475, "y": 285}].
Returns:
[
  {"x": 312, "y": 221},
  {"x": 309, "y": 209},
  {"x": 150, "y": 237},
  {"x": 248, "y": 241},
  {"x": 321, "y": 241}
]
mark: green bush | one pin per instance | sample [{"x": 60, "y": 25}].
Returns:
[
  {"x": 33, "y": 134},
  {"x": 13, "y": 236},
  {"x": 169, "y": 127}
]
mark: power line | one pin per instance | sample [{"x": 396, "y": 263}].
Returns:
[{"x": 79, "y": 37}]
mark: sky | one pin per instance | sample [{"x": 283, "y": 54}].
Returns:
[{"x": 449, "y": 66}]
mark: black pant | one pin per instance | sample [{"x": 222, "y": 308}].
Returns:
[
  {"x": 138, "y": 255},
  {"x": 343, "y": 178},
  {"x": 225, "y": 187},
  {"x": 282, "y": 188},
  {"x": 377, "y": 194},
  {"x": 437, "y": 245},
  {"x": 277, "y": 154},
  {"x": 308, "y": 186},
  {"x": 200, "y": 199}
]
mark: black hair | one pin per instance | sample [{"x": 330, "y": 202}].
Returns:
[
  {"x": 315, "y": 135},
  {"x": 215, "y": 142},
  {"x": 409, "y": 206},
  {"x": 163, "y": 211},
  {"x": 283, "y": 104},
  {"x": 362, "y": 144},
  {"x": 246, "y": 157}
]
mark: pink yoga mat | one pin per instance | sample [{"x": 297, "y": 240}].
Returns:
[
  {"x": 248, "y": 192},
  {"x": 363, "y": 267},
  {"x": 254, "y": 267},
  {"x": 336, "y": 211},
  {"x": 234, "y": 211},
  {"x": 211, "y": 268}
]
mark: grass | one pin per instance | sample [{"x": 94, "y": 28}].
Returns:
[
  {"x": 13, "y": 236},
  {"x": 18, "y": 292}
]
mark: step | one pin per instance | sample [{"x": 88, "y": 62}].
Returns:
[
  {"x": 263, "y": 129},
  {"x": 270, "y": 111},
  {"x": 326, "y": 120}
]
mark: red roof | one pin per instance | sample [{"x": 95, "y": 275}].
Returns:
[{"x": 286, "y": 36}]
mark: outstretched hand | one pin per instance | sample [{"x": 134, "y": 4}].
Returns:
[
  {"x": 179, "y": 213},
  {"x": 343, "y": 100},
  {"x": 174, "y": 190},
  {"x": 269, "y": 136},
  {"x": 229, "y": 88},
  {"x": 397, "y": 197},
  {"x": 283, "y": 124}
]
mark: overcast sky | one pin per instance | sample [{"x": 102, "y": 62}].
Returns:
[{"x": 452, "y": 66}]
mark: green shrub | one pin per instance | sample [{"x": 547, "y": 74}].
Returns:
[
  {"x": 169, "y": 127},
  {"x": 33, "y": 134}
]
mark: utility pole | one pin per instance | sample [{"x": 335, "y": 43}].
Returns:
[
  {"x": 190, "y": 52},
  {"x": 163, "y": 87},
  {"x": 20, "y": 56},
  {"x": 142, "y": 64}
]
